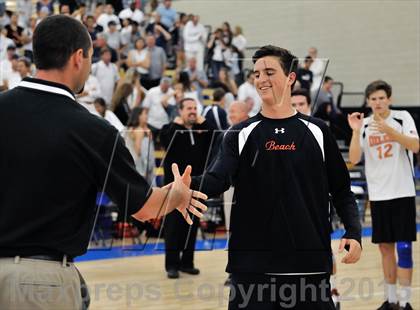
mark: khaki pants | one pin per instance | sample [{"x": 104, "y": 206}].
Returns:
[{"x": 38, "y": 284}]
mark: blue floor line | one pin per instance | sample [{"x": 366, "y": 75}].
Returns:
[{"x": 159, "y": 248}]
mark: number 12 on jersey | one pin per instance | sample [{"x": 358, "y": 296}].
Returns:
[{"x": 384, "y": 151}]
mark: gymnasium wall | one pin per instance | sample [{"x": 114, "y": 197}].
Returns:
[{"x": 364, "y": 40}]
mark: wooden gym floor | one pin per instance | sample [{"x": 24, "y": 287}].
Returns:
[{"x": 140, "y": 282}]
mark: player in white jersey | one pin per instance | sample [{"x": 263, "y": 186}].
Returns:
[{"x": 388, "y": 138}]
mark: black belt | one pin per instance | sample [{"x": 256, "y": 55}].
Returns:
[{"x": 55, "y": 258}]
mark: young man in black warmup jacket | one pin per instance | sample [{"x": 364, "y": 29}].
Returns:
[{"x": 284, "y": 166}]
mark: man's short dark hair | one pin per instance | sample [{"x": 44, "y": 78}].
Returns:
[
  {"x": 302, "y": 92},
  {"x": 327, "y": 79},
  {"x": 287, "y": 60},
  {"x": 218, "y": 94},
  {"x": 378, "y": 85},
  {"x": 181, "y": 103},
  {"x": 56, "y": 38}
]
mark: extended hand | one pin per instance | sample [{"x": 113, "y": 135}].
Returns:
[
  {"x": 355, "y": 120},
  {"x": 379, "y": 125},
  {"x": 353, "y": 255},
  {"x": 182, "y": 198}
]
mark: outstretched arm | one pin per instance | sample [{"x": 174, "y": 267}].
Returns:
[{"x": 222, "y": 172}]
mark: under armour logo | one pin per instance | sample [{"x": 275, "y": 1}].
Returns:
[{"x": 277, "y": 131}]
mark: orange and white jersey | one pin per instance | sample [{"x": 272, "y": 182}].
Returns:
[{"x": 388, "y": 165}]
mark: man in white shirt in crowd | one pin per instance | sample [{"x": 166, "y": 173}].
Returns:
[
  {"x": 91, "y": 91},
  {"x": 317, "y": 67},
  {"x": 248, "y": 91},
  {"x": 107, "y": 16},
  {"x": 6, "y": 62},
  {"x": 12, "y": 77},
  {"x": 107, "y": 75},
  {"x": 159, "y": 100},
  {"x": 132, "y": 13},
  {"x": 195, "y": 37}
]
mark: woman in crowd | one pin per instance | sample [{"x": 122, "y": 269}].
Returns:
[
  {"x": 144, "y": 151},
  {"x": 119, "y": 103}
]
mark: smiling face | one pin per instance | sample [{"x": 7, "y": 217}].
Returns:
[{"x": 271, "y": 82}]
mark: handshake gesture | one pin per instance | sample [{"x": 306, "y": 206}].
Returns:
[
  {"x": 176, "y": 195},
  {"x": 180, "y": 196}
]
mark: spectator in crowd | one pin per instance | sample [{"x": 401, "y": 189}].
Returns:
[
  {"x": 14, "y": 31},
  {"x": 178, "y": 39},
  {"x": 188, "y": 90},
  {"x": 216, "y": 47},
  {"x": 24, "y": 67},
  {"x": 301, "y": 101},
  {"x": 139, "y": 92},
  {"x": 198, "y": 78},
  {"x": 45, "y": 5},
  {"x": 93, "y": 32},
  {"x": 159, "y": 31},
  {"x": 129, "y": 36},
  {"x": 159, "y": 101},
  {"x": 5, "y": 43},
  {"x": 214, "y": 114},
  {"x": 239, "y": 40},
  {"x": 235, "y": 63},
  {"x": 157, "y": 63},
  {"x": 91, "y": 91},
  {"x": 324, "y": 95},
  {"x": 318, "y": 68},
  {"x": 99, "y": 10},
  {"x": 139, "y": 58},
  {"x": 228, "y": 84},
  {"x": 6, "y": 62},
  {"x": 119, "y": 104},
  {"x": 27, "y": 39},
  {"x": 107, "y": 16},
  {"x": 143, "y": 147},
  {"x": 65, "y": 9},
  {"x": 102, "y": 111},
  {"x": 107, "y": 75},
  {"x": 81, "y": 13},
  {"x": 132, "y": 13},
  {"x": 151, "y": 6},
  {"x": 227, "y": 34},
  {"x": 183, "y": 149},
  {"x": 195, "y": 37},
  {"x": 248, "y": 91},
  {"x": 167, "y": 13},
  {"x": 304, "y": 74},
  {"x": 72, "y": 5},
  {"x": 12, "y": 77},
  {"x": 113, "y": 38},
  {"x": 24, "y": 10}
]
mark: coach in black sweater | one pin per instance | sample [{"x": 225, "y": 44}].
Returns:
[
  {"x": 186, "y": 140},
  {"x": 284, "y": 167}
]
